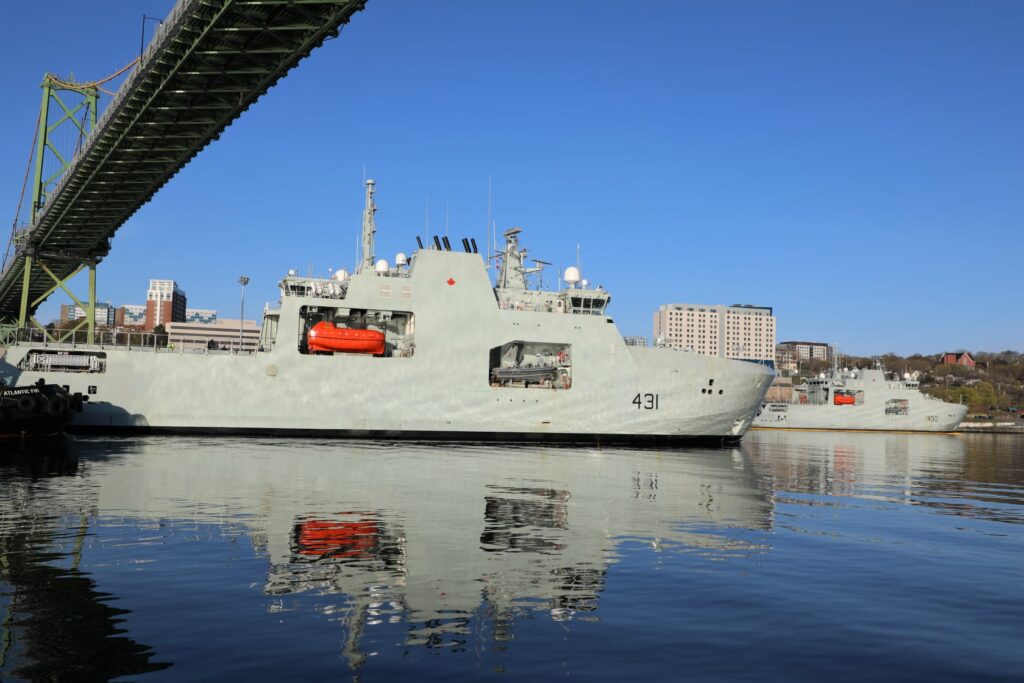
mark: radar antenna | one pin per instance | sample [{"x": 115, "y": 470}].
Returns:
[{"x": 513, "y": 272}]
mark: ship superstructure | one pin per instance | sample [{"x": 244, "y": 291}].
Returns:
[
  {"x": 425, "y": 348},
  {"x": 861, "y": 399}
]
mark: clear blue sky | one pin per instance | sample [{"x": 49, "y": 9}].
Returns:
[{"x": 859, "y": 166}]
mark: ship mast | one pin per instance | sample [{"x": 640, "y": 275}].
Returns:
[
  {"x": 513, "y": 272},
  {"x": 369, "y": 228}
]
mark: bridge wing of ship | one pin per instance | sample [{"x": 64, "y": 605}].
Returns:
[{"x": 209, "y": 61}]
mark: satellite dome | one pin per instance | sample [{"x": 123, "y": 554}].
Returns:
[
  {"x": 584, "y": 284},
  {"x": 401, "y": 259},
  {"x": 291, "y": 272},
  {"x": 572, "y": 275},
  {"x": 381, "y": 266},
  {"x": 341, "y": 275}
]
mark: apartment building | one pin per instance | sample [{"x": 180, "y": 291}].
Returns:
[{"x": 739, "y": 331}]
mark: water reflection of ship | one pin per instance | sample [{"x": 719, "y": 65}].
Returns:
[
  {"x": 939, "y": 471},
  {"x": 829, "y": 462},
  {"x": 444, "y": 540}
]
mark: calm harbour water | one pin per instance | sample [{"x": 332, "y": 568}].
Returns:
[{"x": 795, "y": 556}]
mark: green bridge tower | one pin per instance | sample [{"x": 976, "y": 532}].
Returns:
[{"x": 73, "y": 108}]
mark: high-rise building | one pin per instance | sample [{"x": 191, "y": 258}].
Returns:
[
  {"x": 105, "y": 313},
  {"x": 737, "y": 331},
  {"x": 131, "y": 315},
  {"x": 165, "y": 303},
  {"x": 200, "y": 315}
]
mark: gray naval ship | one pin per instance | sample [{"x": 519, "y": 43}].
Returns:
[
  {"x": 861, "y": 399},
  {"x": 426, "y": 348}
]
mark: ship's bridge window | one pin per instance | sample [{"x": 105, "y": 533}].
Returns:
[
  {"x": 355, "y": 331},
  {"x": 588, "y": 305}
]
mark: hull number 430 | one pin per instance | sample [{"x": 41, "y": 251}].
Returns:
[{"x": 646, "y": 401}]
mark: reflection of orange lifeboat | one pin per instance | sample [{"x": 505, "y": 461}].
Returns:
[
  {"x": 330, "y": 538},
  {"x": 326, "y": 337}
]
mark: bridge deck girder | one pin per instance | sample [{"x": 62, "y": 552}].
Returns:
[{"x": 209, "y": 61}]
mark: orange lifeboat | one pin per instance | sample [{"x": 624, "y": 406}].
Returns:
[
  {"x": 337, "y": 538},
  {"x": 326, "y": 337},
  {"x": 843, "y": 400}
]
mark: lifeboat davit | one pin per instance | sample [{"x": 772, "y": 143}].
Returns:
[{"x": 326, "y": 337}]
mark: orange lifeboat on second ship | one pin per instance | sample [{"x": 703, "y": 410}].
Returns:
[{"x": 326, "y": 337}]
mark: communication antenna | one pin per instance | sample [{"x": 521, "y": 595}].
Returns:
[
  {"x": 494, "y": 239},
  {"x": 426, "y": 220},
  {"x": 490, "y": 244},
  {"x": 446, "y": 218}
]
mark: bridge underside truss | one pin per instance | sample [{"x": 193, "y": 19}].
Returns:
[{"x": 208, "y": 62}]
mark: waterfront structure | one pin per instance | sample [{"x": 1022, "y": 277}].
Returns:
[
  {"x": 807, "y": 350},
  {"x": 781, "y": 390},
  {"x": 740, "y": 331},
  {"x": 785, "y": 360},
  {"x": 221, "y": 335},
  {"x": 165, "y": 303},
  {"x": 462, "y": 357},
  {"x": 635, "y": 340}
]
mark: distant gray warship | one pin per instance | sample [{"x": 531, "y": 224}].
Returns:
[
  {"x": 862, "y": 399},
  {"x": 426, "y": 348}
]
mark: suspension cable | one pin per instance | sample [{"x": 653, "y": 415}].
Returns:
[
  {"x": 21, "y": 197},
  {"x": 95, "y": 84}
]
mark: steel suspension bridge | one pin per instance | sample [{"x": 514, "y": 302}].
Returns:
[{"x": 206, "y": 64}]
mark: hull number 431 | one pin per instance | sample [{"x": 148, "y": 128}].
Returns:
[{"x": 646, "y": 401}]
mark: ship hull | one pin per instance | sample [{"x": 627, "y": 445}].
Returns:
[
  {"x": 441, "y": 391},
  {"x": 167, "y": 392},
  {"x": 923, "y": 415}
]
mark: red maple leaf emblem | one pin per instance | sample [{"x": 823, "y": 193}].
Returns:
[{"x": 451, "y": 281}]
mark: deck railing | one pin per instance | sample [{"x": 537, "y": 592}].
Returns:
[{"x": 127, "y": 339}]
